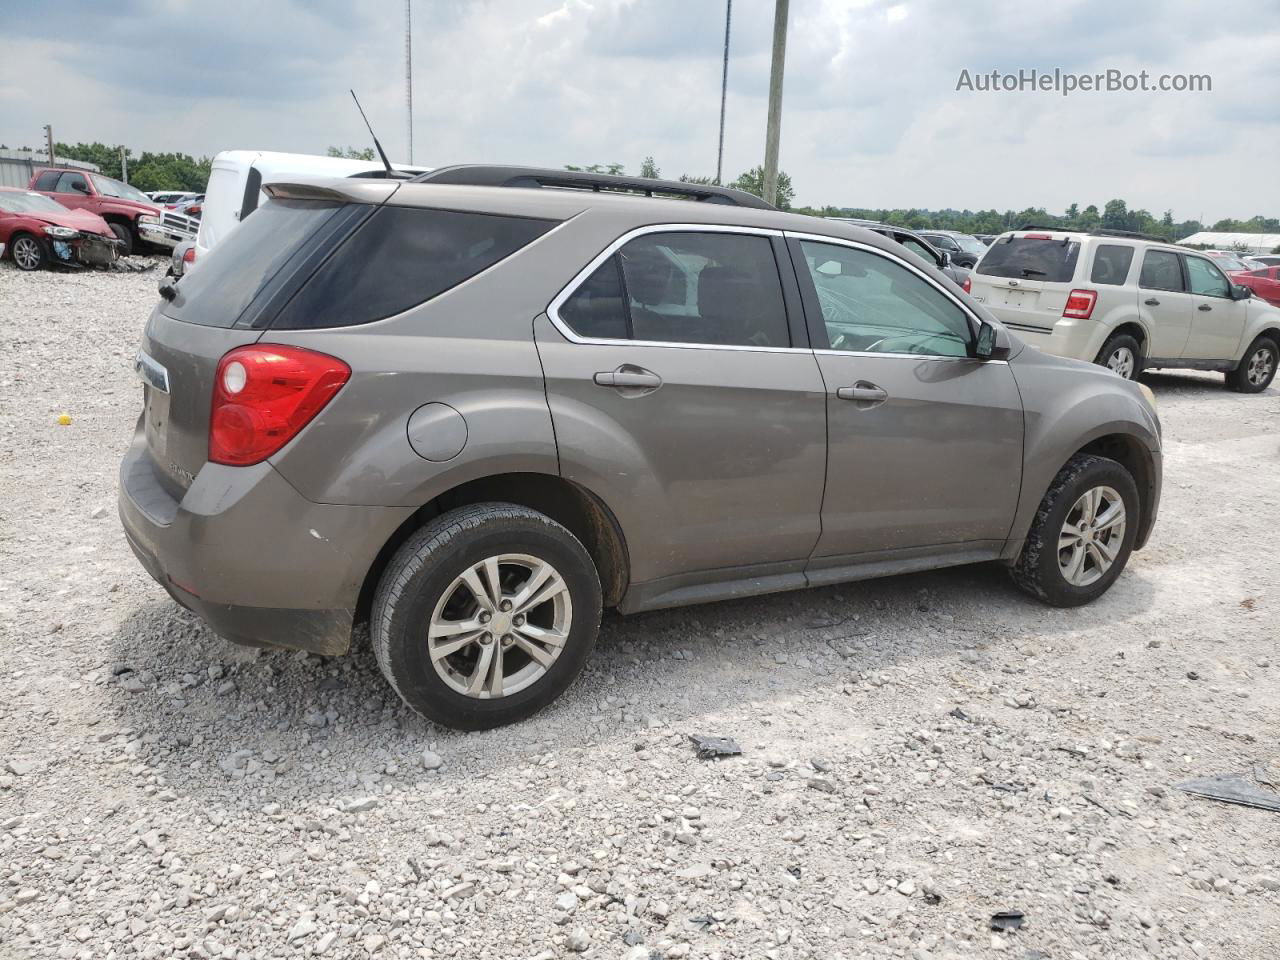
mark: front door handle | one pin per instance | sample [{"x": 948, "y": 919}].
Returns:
[
  {"x": 863, "y": 392},
  {"x": 628, "y": 376},
  {"x": 1205, "y": 307},
  {"x": 1151, "y": 302}
]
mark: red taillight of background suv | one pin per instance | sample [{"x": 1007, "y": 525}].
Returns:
[
  {"x": 1080, "y": 304},
  {"x": 263, "y": 395},
  {"x": 967, "y": 286}
]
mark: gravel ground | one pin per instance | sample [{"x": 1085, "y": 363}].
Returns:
[{"x": 918, "y": 753}]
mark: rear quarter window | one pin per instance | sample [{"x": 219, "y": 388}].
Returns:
[
  {"x": 1031, "y": 258},
  {"x": 1111, "y": 264},
  {"x": 403, "y": 257}
]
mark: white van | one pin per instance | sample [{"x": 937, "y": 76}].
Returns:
[{"x": 235, "y": 185}]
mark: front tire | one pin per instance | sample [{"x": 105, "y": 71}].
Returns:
[
  {"x": 124, "y": 235},
  {"x": 1121, "y": 354},
  {"x": 486, "y": 615},
  {"x": 29, "y": 253},
  {"x": 1082, "y": 534},
  {"x": 1258, "y": 367}
]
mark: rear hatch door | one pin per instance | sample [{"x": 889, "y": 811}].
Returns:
[
  {"x": 225, "y": 304},
  {"x": 1024, "y": 278}
]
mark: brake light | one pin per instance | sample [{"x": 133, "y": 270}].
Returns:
[
  {"x": 967, "y": 286},
  {"x": 1037, "y": 236},
  {"x": 263, "y": 395},
  {"x": 1080, "y": 304},
  {"x": 190, "y": 255}
]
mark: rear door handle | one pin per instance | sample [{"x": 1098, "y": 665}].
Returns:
[
  {"x": 629, "y": 376},
  {"x": 1151, "y": 302},
  {"x": 863, "y": 392},
  {"x": 1204, "y": 306}
]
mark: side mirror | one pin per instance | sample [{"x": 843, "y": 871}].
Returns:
[
  {"x": 79, "y": 187},
  {"x": 992, "y": 343},
  {"x": 1240, "y": 292},
  {"x": 945, "y": 260}
]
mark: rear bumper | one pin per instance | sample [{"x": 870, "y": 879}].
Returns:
[
  {"x": 242, "y": 548},
  {"x": 1078, "y": 339}
]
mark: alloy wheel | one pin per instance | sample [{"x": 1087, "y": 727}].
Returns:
[
  {"x": 500, "y": 625},
  {"x": 1122, "y": 361},
  {"x": 1091, "y": 536},
  {"x": 26, "y": 253},
  {"x": 1261, "y": 364}
]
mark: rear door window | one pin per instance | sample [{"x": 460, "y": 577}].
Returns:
[
  {"x": 400, "y": 258},
  {"x": 1161, "y": 270},
  {"x": 1031, "y": 258},
  {"x": 226, "y": 283},
  {"x": 1111, "y": 264}
]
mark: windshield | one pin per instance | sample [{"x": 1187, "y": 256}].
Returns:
[
  {"x": 16, "y": 202},
  {"x": 1031, "y": 258},
  {"x": 114, "y": 188}
]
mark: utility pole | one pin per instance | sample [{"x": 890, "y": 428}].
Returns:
[
  {"x": 408, "y": 71},
  {"x": 774, "y": 130},
  {"x": 124, "y": 166},
  {"x": 48, "y": 136},
  {"x": 724, "y": 88}
]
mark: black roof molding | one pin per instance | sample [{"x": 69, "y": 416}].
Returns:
[{"x": 500, "y": 175}]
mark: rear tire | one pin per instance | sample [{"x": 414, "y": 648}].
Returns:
[
  {"x": 1121, "y": 354},
  {"x": 124, "y": 235},
  {"x": 1074, "y": 553},
  {"x": 29, "y": 253},
  {"x": 466, "y": 654},
  {"x": 1258, "y": 367}
]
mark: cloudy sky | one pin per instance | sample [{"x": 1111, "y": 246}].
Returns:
[{"x": 871, "y": 116}]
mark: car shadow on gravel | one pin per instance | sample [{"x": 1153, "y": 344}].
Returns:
[{"x": 217, "y": 718}]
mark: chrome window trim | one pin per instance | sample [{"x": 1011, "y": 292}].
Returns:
[{"x": 553, "y": 309}]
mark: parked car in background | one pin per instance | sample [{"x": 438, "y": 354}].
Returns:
[
  {"x": 1268, "y": 259},
  {"x": 168, "y": 198},
  {"x": 192, "y": 206},
  {"x": 1230, "y": 261},
  {"x": 1129, "y": 302},
  {"x": 986, "y": 238},
  {"x": 128, "y": 211},
  {"x": 36, "y": 231},
  {"x": 183, "y": 255},
  {"x": 963, "y": 248},
  {"x": 1264, "y": 283},
  {"x": 916, "y": 244},
  {"x": 479, "y": 415}
]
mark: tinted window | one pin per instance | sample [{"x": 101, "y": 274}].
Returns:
[
  {"x": 1111, "y": 264},
  {"x": 73, "y": 183},
  {"x": 1160, "y": 271},
  {"x": 870, "y": 304},
  {"x": 47, "y": 180},
  {"x": 595, "y": 309},
  {"x": 401, "y": 257},
  {"x": 1031, "y": 258},
  {"x": 919, "y": 249},
  {"x": 216, "y": 294},
  {"x": 714, "y": 288},
  {"x": 1206, "y": 279}
]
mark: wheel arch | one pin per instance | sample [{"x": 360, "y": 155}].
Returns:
[{"x": 570, "y": 504}]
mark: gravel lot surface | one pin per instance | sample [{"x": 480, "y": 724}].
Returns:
[{"x": 918, "y": 753}]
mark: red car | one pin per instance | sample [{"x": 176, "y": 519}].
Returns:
[
  {"x": 35, "y": 232},
  {"x": 1264, "y": 283},
  {"x": 125, "y": 208}
]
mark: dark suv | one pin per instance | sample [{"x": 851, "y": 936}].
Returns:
[{"x": 477, "y": 414}]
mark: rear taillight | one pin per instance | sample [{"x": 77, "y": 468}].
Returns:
[
  {"x": 1080, "y": 304},
  {"x": 967, "y": 286},
  {"x": 1037, "y": 236},
  {"x": 190, "y": 255},
  {"x": 263, "y": 395}
]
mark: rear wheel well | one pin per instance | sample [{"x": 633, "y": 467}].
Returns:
[
  {"x": 569, "y": 504},
  {"x": 1130, "y": 453},
  {"x": 1132, "y": 330}
]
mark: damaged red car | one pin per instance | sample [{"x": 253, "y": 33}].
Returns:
[{"x": 37, "y": 232}]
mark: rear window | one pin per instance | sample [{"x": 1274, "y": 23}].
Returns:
[
  {"x": 402, "y": 257},
  {"x": 234, "y": 272},
  {"x": 1031, "y": 258},
  {"x": 1111, "y": 264}
]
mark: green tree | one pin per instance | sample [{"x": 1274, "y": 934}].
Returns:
[
  {"x": 351, "y": 153},
  {"x": 1115, "y": 215},
  {"x": 753, "y": 182},
  {"x": 649, "y": 170},
  {"x": 705, "y": 181},
  {"x": 612, "y": 169}
]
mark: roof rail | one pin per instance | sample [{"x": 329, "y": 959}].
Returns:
[
  {"x": 1099, "y": 232},
  {"x": 501, "y": 175}
]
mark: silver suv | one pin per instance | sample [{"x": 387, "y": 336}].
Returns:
[
  {"x": 475, "y": 415},
  {"x": 1128, "y": 302}
]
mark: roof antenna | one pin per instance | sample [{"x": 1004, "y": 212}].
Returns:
[{"x": 391, "y": 174}]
